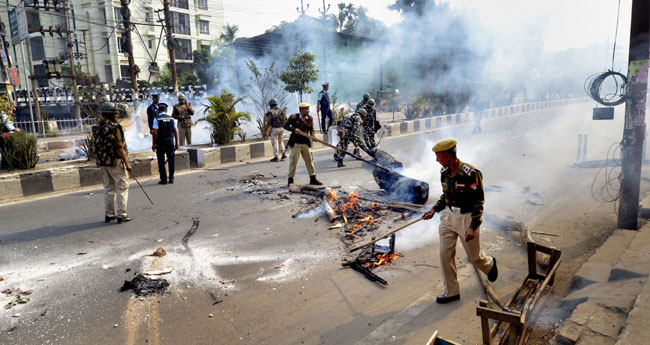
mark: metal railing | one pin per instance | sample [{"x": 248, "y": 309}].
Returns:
[{"x": 48, "y": 128}]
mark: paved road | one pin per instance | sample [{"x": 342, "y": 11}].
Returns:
[{"x": 75, "y": 263}]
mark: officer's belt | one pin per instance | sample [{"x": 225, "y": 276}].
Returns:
[{"x": 455, "y": 209}]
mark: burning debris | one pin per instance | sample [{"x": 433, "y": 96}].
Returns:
[
  {"x": 255, "y": 183},
  {"x": 144, "y": 286}
]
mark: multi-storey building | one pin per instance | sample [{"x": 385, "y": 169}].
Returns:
[{"x": 97, "y": 38}]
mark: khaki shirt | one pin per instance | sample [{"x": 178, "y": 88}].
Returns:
[
  {"x": 463, "y": 190},
  {"x": 183, "y": 114}
]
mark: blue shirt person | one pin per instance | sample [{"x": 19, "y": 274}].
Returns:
[{"x": 165, "y": 142}]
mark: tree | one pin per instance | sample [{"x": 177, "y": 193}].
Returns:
[
  {"x": 416, "y": 7},
  {"x": 202, "y": 63},
  {"x": 346, "y": 18},
  {"x": 262, "y": 88},
  {"x": 221, "y": 114},
  {"x": 229, "y": 33},
  {"x": 300, "y": 73}
]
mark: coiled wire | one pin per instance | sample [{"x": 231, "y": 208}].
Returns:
[{"x": 593, "y": 88}]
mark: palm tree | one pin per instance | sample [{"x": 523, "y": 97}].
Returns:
[
  {"x": 229, "y": 33},
  {"x": 221, "y": 114}
]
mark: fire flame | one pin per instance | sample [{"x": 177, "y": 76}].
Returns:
[
  {"x": 352, "y": 201},
  {"x": 383, "y": 259},
  {"x": 332, "y": 195}
]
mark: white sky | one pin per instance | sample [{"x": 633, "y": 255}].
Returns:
[{"x": 567, "y": 23}]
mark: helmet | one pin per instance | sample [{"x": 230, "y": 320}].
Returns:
[
  {"x": 181, "y": 96},
  {"x": 109, "y": 108},
  {"x": 362, "y": 112},
  {"x": 371, "y": 102},
  {"x": 366, "y": 96},
  {"x": 273, "y": 102}
]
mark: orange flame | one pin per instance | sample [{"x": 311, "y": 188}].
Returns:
[
  {"x": 332, "y": 194},
  {"x": 383, "y": 259}
]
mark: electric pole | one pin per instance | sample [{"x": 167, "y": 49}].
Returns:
[
  {"x": 73, "y": 72},
  {"x": 126, "y": 19},
  {"x": 171, "y": 44},
  {"x": 634, "y": 130},
  {"x": 326, "y": 35}
]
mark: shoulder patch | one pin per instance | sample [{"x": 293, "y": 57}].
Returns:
[
  {"x": 443, "y": 169},
  {"x": 467, "y": 169}
]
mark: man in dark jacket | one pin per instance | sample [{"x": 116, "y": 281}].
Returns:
[
  {"x": 152, "y": 111},
  {"x": 165, "y": 142}
]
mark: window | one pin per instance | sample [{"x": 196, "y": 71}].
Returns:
[
  {"x": 33, "y": 20},
  {"x": 124, "y": 71},
  {"x": 181, "y": 4},
  {"x": 184, "y": 49},
  {"x": 39, "y": 70},
  {"x": 181, "y": 23},
  {"x": 118, "y": 14},
  {"x": 202, "y": 4},
  {"x": 204, "y": 27},
  {"x": 38, "y": 50},
  {"x": 108, "y": 46},
  {"x": 150, "y": 44},
  {"x": 108, "y": 70},
  {"x": 147, "y": 17}
]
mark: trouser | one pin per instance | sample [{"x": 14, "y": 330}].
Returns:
[
  {"x": 369, "y": 136},
  {"x": 165, "y": 149},
  {"x": 326, "y": 113},
  {"x": 452, "y": 226},
  {"x": 276, "y": 140},
  {"x": 184, "y": 134},
  {"x": 305, "y": 151},
  {"x": 116, "y": 190},
  {"x": 343, "y": 144}
]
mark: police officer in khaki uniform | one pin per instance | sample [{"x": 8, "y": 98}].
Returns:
[
  {"x": 110, "y": 148},
  {"x": 183, "y": 113},
  {"x": 301, "y": 145},
  {"x": 461, "y": 207}
]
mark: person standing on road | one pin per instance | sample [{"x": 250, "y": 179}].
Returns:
[
  {"x": 461, "y": 205},
  {"x": 275, "y": 118},
  {"x": 301, "y": 145},
  {"x": 165, "y": 143},
  {"x": 369, "y": 124},
  {"x": 183, "y": 113},
  {"x": 7, "y": 128},
  {"x": 323, "y": 108},
  {"x": 152, "y": 111},
  {"x": 110, "y": 149}
]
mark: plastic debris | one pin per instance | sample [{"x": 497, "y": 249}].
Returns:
[
  {"x": 159, "y": 252},
  {"x": 20, "y": 299}
]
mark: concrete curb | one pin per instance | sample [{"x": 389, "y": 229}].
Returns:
[{"x": 16, "y": 186}]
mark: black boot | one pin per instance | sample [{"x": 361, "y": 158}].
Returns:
[
  {"x": 284, "y": 156},
  {"x": 274, "y": 159},
  {"x": 314, "y": 181},
  {"x": 290, "y": 181},
  {"x": 340, "y": 163}
]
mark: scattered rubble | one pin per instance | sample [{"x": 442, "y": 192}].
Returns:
[
  {"x": 160, "y": 252},
  {"x": 20, "y": 299}
]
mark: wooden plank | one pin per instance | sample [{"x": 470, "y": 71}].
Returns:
[
  {"x": 499, "y": 315},
  {"x": 532, "y": 259},
  {"x": 555, "y": 258},
  {"x": 542, "y": 287},
  {"x": 432, "y": 340},
  {"x": 485, "y": 324}
]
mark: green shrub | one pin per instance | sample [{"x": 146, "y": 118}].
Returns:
[
  {"x": 19, "y": 151},
  {"x": 221, "y": 114}
]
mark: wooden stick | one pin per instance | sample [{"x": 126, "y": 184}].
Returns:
[
  {"x": 144, "y": 191},
  {"x": 340, "y": 150},
  {"x": 432, "y": 340},
  {"x": 384, "y": 236}
]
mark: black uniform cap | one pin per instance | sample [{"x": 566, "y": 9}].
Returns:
[{"x": 162, "y": 105}]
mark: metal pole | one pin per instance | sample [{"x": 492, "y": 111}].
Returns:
[
  {"x": 29, "y": 96},
  {"x": 634, "y": 130},
  {"x": 73, "y": 72},
  {"x": 171, "y": 49},
  {"x": 30, "y": 76}
]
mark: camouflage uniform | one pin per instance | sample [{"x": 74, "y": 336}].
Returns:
[
  {"x": 109, "y": 137},
  {"x": 352, "y": 124},
  {"x": 369, "y": 126},
  {"x": 276, "y": 118}
]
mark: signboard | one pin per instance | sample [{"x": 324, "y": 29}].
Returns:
[
  {"x": 14, "y": 76},
  {"x": 3, "y": 56},
  {"x": 18, "y": 24}
]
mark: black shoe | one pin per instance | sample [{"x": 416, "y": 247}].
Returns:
[
  {"x": 314, "y": 181},
  {"x": 442, "y": 299},
  {"x": 290, "y": 181},
  {"x": 275, "y": 159},
  {"x": 171, "y": 180},
  {"x": 340, "y": 163},
  {"x": 108, "y": 219},
  {"x": 284, "y": 156},
  {"x": 494, "y": 271},
  {"x": 162, "y": 182},
  {"x": 123, "y": 220}
]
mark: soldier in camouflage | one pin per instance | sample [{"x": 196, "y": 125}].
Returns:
[
  {"x": 362, "y": 104},
  {"x": 275, "y": 118},
  {"x": 369, "y": 124},
  {"x": 350, "y": 132}
]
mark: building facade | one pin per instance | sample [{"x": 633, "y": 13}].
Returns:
[{"x": 97, "y": 37}]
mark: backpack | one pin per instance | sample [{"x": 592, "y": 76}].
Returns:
[
  {"x": 277, "y": 118},
  {"x": 105, "y": 144}
]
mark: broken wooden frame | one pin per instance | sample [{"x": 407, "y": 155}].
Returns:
[{"x": 515, "y": 327}]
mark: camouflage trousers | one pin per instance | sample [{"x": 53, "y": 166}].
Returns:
[
  {"x": 369, "y": 137},
  {"x": 343, "y": 144}
]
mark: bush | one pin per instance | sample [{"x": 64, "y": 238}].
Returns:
[
  {"x": 19, "y": 151},
  {"x": 221, "y": 114}
]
